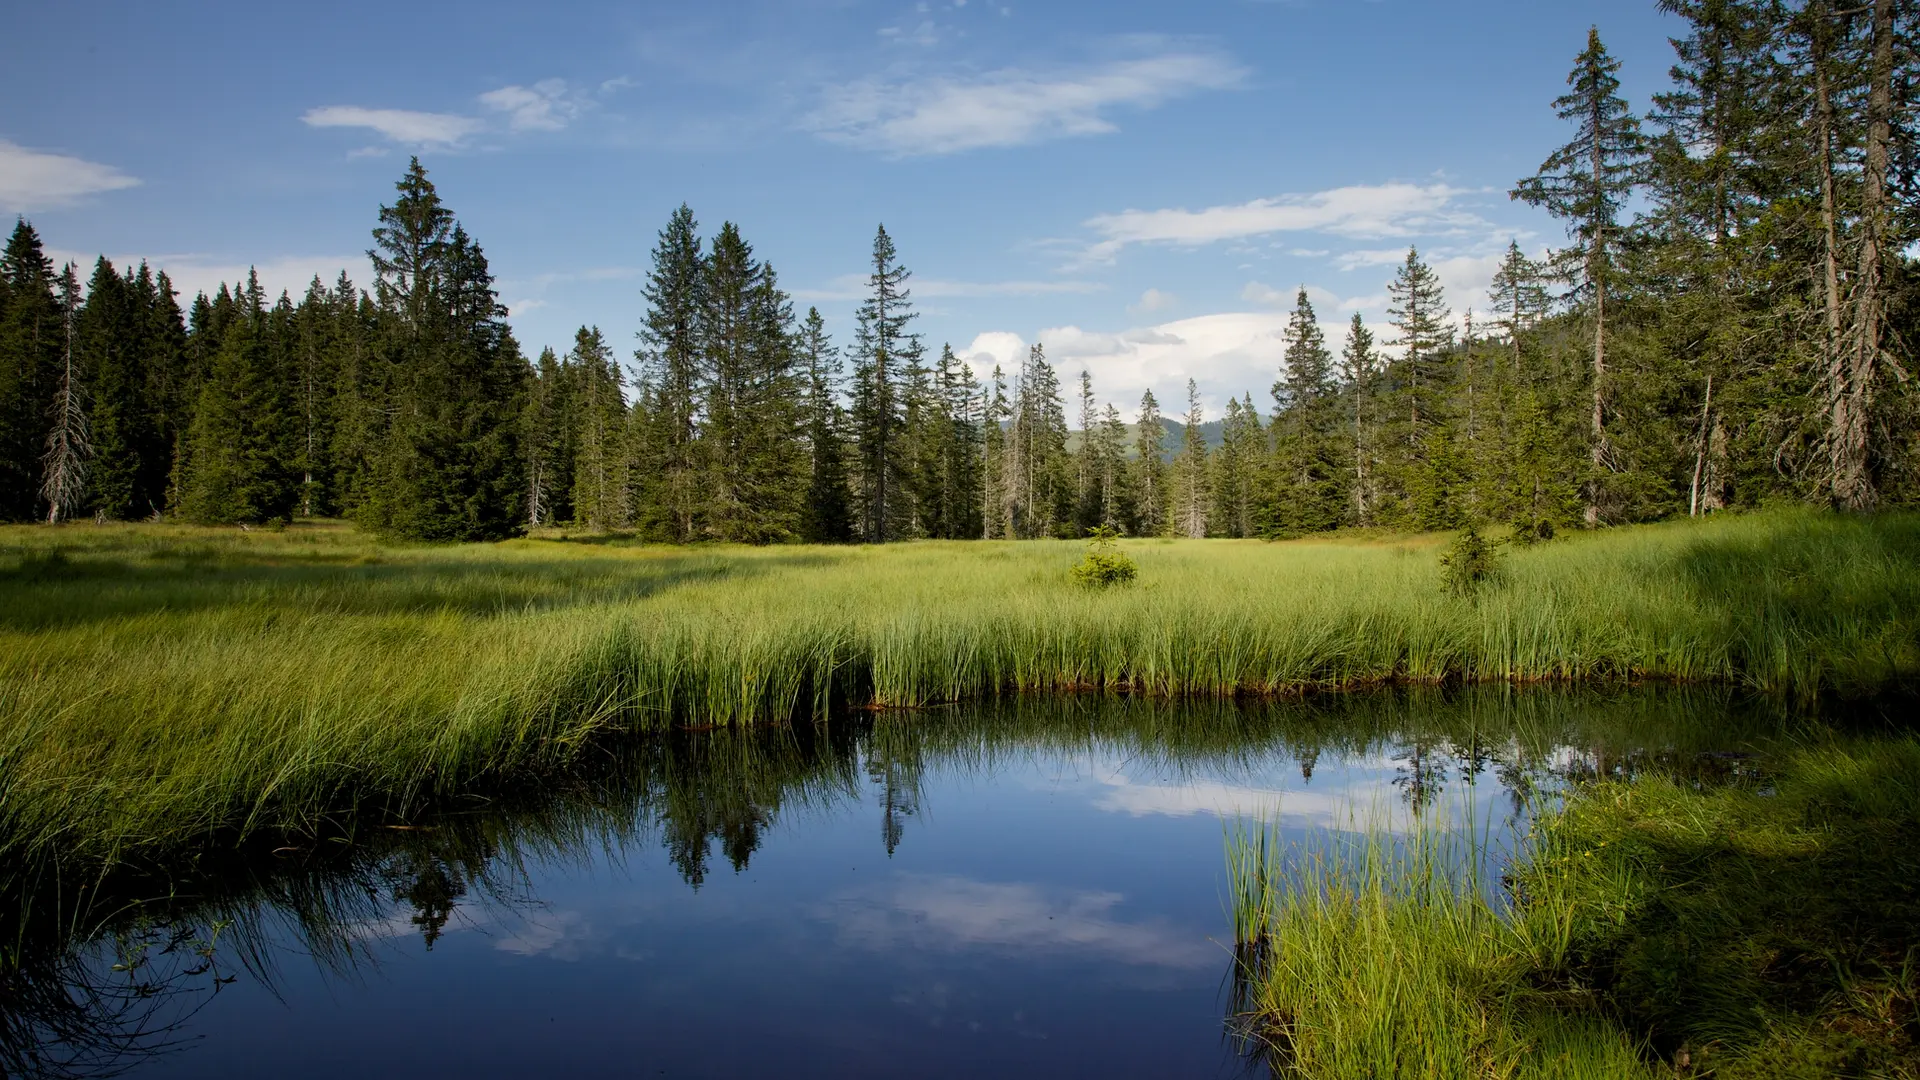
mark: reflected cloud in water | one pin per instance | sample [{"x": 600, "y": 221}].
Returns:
[{"x": 928, "y": 912}]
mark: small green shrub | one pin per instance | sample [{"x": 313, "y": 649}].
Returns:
[
  {"x": 1104, "y": 564},
  {"x": 1469, "y": 562}
]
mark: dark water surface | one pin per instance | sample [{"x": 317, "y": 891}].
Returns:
[{"x": 1027, "y": 888}]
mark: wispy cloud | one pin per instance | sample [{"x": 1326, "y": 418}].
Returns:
[
  {"x": 42, "y": 180},
  {"x": 1009, "y": 106},
  {"x": 854, "y": 287},
  {"x": 545, "y": 106},
  {"x": 958, "y": 913},
  {"x": 399, "y": 125},
  {"x": 1376, "y": 211}
]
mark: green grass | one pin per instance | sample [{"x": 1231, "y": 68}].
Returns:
[
  {"x": 160, "y": 683},
  {"x": 1657, "y": 927}
]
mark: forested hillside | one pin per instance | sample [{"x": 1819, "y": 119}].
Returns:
[{"x": 1731, "y": 321}]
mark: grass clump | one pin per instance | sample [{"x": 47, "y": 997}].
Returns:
[
  {"x": 1654, "y": 927},
  {"x": 1104, "y": 564}
]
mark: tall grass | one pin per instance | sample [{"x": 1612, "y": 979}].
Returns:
[
  {"x": 1653, "y": 926},
  {"x": 162, "y": 681}
]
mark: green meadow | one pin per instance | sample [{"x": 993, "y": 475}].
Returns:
[{"x": 163, "y": 683}]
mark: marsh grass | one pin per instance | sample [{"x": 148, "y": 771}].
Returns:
[
  {"x": 1651, "y": 926},
  {"x": 161, "y": 682}
]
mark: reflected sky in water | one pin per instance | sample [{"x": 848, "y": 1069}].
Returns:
[{"x": 1001, "y": 890}]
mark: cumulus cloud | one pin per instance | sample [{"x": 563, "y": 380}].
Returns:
[
  {"x": 1361, "y": 212},
  {"x": 1010, "y": 106},
  {"x": 399, "y": 125},
  {"x": 41, "y": 180},
  {"x": 1228, "y": 354}
]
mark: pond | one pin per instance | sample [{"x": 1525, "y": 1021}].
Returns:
[{"x": 1016, "y": 888}]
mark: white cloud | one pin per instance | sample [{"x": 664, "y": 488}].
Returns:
[
  {"x": 39, "y": 180},
  {"x": 955, "y": 913},
  {"x": 1356, "y": 212},
  {"x": 399, "y": 125},
  {"x": 1230, "y": 353},
  {"x": 1154, "y": 300},
  {"x": 1008, "y": 107},
  {"x": 545, "y": 106},
  {"x": 1361, "y": 258},
  {"x": 1265, "y": 295},
  {"x": 557, "y": 935},
  {"x": 1357, "y": 806}
]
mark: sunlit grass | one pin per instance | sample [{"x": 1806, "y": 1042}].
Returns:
[{"x": 161, "y": 681}]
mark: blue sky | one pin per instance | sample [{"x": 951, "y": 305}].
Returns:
[{"x": 1140, "y": 186}]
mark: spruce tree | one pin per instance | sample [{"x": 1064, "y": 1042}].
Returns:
[
  {"x": 959, "y": 466},
  {"x": 241, "y": 467},
  {"x": 31, "y": 364},
  {"x": 1423, "y": 470},
  {"x": 1152, "y": 511},
  {"x": 753, "y": 473},
  {"x": 125, "y": 443},
  {"x": 549, "y": 476},
  {"x": 1089, "y": 492},
  {"x": 599, "y": 418},
  {"x": 883, "y": 350},
  {"x": 829, "y": 507},
  {"x": 1239, "y": 476},
  {"x": 1587, "y": 183},
  {"x": 1111, "y": 458},
  {"x": 996, "y": 500},
  {"x": 1364, "y": 407},
  {"x": 1191, "y": 470},
  {"x": 1306, "y": 493},
  {"x": 449, "y": 465},
  {"x": 670, "y": 359}
]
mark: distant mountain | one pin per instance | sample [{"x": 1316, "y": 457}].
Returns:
[{"x": 1213, "y": 433}]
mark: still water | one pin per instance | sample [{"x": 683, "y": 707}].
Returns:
[{"x": 1023, "y": 888}]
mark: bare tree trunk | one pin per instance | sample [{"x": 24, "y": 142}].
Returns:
[
  {"x": 1700, "y": 456},
  {"x": 1852, "y": 486},
  {"x": 68, "y": 446},
  {"x": 1598, "y": 453}
]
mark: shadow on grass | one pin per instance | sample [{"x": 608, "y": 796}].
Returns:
[
  {"x": 43, "y": 590},
  {"x": 1817, "y": 604},
  {"x": 1766, "y": 930}
]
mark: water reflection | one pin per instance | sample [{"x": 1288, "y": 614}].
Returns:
[{"x": 1045, "y": 867}]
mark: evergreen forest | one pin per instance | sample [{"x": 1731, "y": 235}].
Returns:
[{"x": 1730, "y": 322}]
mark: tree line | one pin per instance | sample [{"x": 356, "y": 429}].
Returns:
[{"x": 1730, "y": 323}]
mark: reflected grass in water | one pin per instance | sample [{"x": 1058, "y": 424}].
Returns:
[
  {"x": 1654, "y": 925},
  {"x": 708, "y": 800}
]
